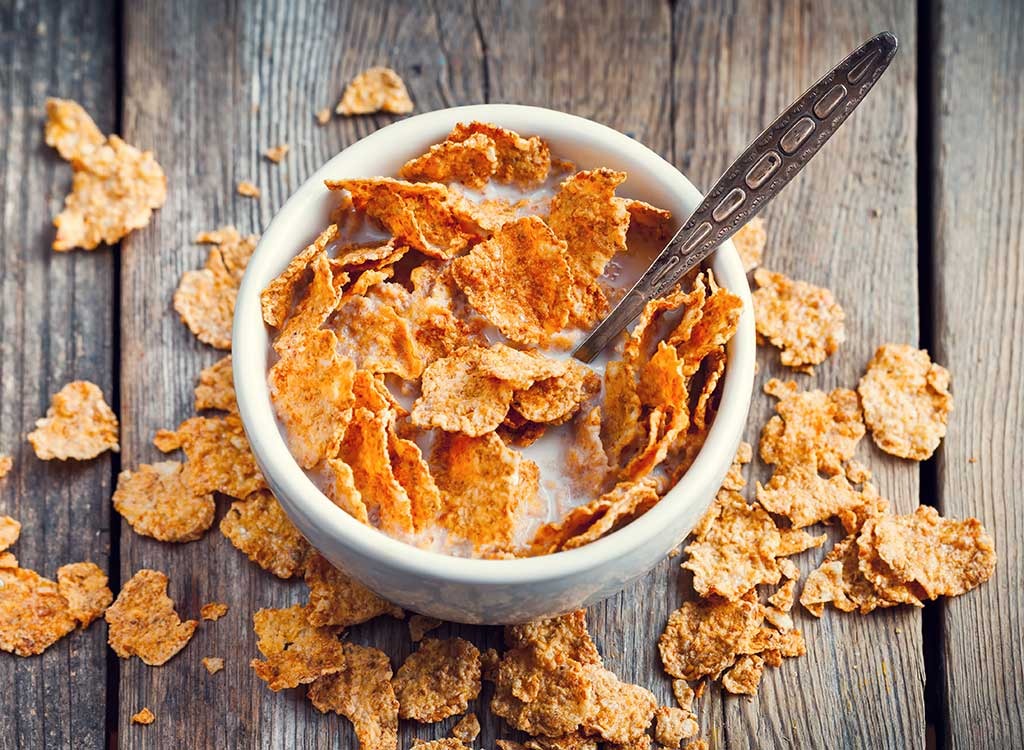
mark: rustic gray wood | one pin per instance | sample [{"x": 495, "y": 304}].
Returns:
[
  {"x": 848, "y": 223},
  {"x": 56, "y": 325},
  {"x": 978, "y": 335}
]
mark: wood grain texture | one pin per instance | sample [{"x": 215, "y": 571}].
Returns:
[
  {"x": 56, "y": 325},
  {"x": 978, "y": 333},
  {"x": 848, "y": 223}
]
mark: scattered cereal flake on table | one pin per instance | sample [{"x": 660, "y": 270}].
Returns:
[
  {"x": 420, "y": 625},
  {"x": 943, "y": 556},
  {"x": 144, "y": 716},
  {"x": 216, "y": 387},
  {"x": 84, "y": 586},
  {"x": 365, "y": 450},
  {"x": 277, "y": 153},
  {"x": 838, "y": 581},
  {"x": 219, "y": 456},
  {"x": 33, "y": 613},
  {"x": 704, "y": 638},
  {"x": 157, "y": 501},
  {"x": 467, "y": 729},
  {"x": 276, "y": 297},
  {"x": 212, "y": 664},
  {"x": 375, "y": 90},
  {"x": 423, "y": 215},
  {"x": 70, "y": 130},
  {"x": 6, "y": 464},
  {"x": 744, "y": 676},
  {"x": 247, "y": 189},
  {"x": 805, "y": 497},
  {"x": 337, "y": 600},
  {"x": 9, "y": 532},
  {"x": 734, "y": 479},
  {"x": 297, "y": 652},
  {"x": 555, "y": 400},
  {"x": 205, "y": 298},
  {"x": 213, "y": 611},
  {"x": 142, "y": 621},
  {"x": 471, "y": 162},
  {"x": 906, "y": 401},
  {"x": 542, "y": 695},
  {"x": 818, "y": 428},
  {"x": 586, "y": 214},
  {"x": 311, "y": 389},
  {"x": 622, "y": 711},
  {"x": 673, "y": 725},
  {"x": 750, "y": 242},
  {"x": 802, "y": 320},
  {"x": 115, "y": 186},
  {"x": 446, "y": 743},
  {"x": 523, "y": 161},
  {"x": 78, "y": 425},
  {"x": 565, "y": 635},
  {"x": 486, "y": 486},
  {"x": 734, "y": 548},
  {"x": 362, "y": 692},
  {"x": 323, "y": 116},
  {"x": 438, "y": 680},
  {"x": 499, "y": 278},
  {"x": 259, "y": 527},
  {"x": 8, "y": 560},
  {"x": 587, "y": 523}
]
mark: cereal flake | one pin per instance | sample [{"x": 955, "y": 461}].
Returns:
[
  {"x": 375, "y": 90},
  {"x": 78, "y": 425},
  {"x": 216, "y": 387},
  {"x": 213, "y": 611},
  {"x": 297, "y": 652},
  {"x": 219, "y": 456},
  {"x": 84, "y": 586},
  {"x": 142, "y": 621},
  {"x": 212, "y": 664},
  {"x": 33, "y": 613},
  {"x": 438, "y": 680},
  {"x": 336, "y": 599},
  {"x": 9, "y": 532},
  {"x": 143, "y": 716},
  {"x": 259, "y": 527},
  {"x": 750, "y": 241},
  {"x": 471, "y": 162},
  {"x": 157, "y": 501},
  {"x": 523, "y": 161}
]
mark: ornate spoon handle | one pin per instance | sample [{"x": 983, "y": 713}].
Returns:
[{"x": 757, "y": 176}]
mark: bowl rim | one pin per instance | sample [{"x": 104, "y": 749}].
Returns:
[{"x": 299, "y": 495}]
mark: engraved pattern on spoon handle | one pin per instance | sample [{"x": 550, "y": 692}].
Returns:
[{"x": 757, "y": 176}]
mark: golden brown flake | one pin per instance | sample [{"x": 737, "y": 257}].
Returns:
[
  {"x": 277, "y": 153},
  {"x": 8, "y": 560},
  {"x": 219, "y": 456},
  {"x": 157, "y": 500},
  {"x": 276, "y": 297},
  {"x": 523, "y": 161},
  {"x": 6, "y": 464},
  {"x": 376, "y": 331},
  {"x": 9, "y": 532},
  {"x": 802, "y": 320},
  {"x": 438, "y": 680},
  {"x": 322, "y": 297},
  {"x": 486, "y": 487},
  {"x": 213, "y": 611},
  {"x": 311, "y": 388},
  {"x": 648, "y": 218},
  {"x": 342, "y": 490},
  {"x": 362, "y": 692},
  {"x": 906, "y": 401},
  {"x": 323, "y": 116},
  {"x": 555, "y": 400},
  {"x": 420, "y": 625},
  {"x": 216, "y": 387},
  {"x": 297, "y": 652},
  {"x": 586, "y": 460},
  {"x": 247, "y": 189},
  {"x": 622, "y": 711},
  {"x": 565, "y": 636},
  {"x": 259, "y": 527},
  {"x": 621, "y": 428},
  {"x": 84, "y": 586},
  {"x": 446, "y": 743},
  {"x": 816, "y": 428},
  {"x": 838, "y": 580},
  {"x": 423, "y": 215},
  {"x": 78, "y": 425},
  {"x": 413, "y": 474},
  {"x": 337, "y": 600},
  {"x": 734, "y": 479},
  {"x": 488, "y": 215},
  {"x": 205, "y": 299},
  {"x": 499, "y": 276},
  {"x": 734, "y": 548},
  {"x": 745, "y": 675},
  {"x": 805, "y": 497},
  {"x": 704, "y": 638},
  {"x": 467, "y": 729},
  {"x": 143, "y": 716},
  {"x": 33, "y": 613},
  {"x": 541, "y": 695},
  {"x": 673, "y": 725},
  {"x": 142, "y": 621},
  {"x": 750, "y": 242},
  {"x": 212, "y": 664},
  {"x": 115, "y": 186},
  {"x": 471, "y": 162},
  {"x": 375, "y": 90}
]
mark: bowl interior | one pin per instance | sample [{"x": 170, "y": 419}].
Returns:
[{"x": 585, "y": 143}]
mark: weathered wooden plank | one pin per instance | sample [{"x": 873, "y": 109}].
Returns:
[
  {"x": 56, "y": 325},
  {"x": 848, "y": 222},
  {"x": 978, "y": 332}
]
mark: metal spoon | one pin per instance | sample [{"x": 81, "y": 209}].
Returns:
[{"x": 757, "y": 176}]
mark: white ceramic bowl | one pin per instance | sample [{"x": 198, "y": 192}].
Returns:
[{"x": 451, "y": 588}]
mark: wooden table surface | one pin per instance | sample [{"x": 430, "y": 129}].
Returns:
[{"x": 912, "y": 215}]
